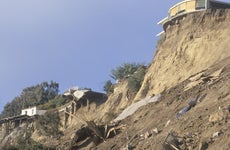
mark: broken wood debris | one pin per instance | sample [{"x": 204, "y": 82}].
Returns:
[
  {"x": 202, "y": 78},
  {"x": 95, "y": 133},
  {"x": 175, "y": 142},
  {"x": 171, "y": 142},
  {"x": 94, "y": 128}
]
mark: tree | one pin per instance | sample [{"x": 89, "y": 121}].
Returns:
[
  {"x": 54, "y": 103},
  {"x": 31, "y": 96}
]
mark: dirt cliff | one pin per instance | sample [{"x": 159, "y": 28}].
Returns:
[
  {"x": 192, "y": 61},
  {"x": 191, "y": 44},
  {"x": 165, "y": 125}
]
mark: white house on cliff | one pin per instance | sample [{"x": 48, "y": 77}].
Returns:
[{"x": 32, "y": 111}]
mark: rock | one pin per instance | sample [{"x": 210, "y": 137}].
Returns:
[
  {"x": 73, "y": 136},
  {"x": 216, "y": 134},
  {"x": 167, "y": 123},
  {"x": 203, "y": 146},
  {"x": 155, "y": 131},
  {"x": 171, "y": 142},
  {"x": 216, "y": 117},
  {"x": 128, "y": 147},
  {"x": 147, "y": 134},
  {"x": 196, "y": 77}
]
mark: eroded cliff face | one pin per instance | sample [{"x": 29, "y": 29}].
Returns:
[{"x": 192, "y": 44}]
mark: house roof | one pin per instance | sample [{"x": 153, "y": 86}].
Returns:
[{"x": 83, "y": 93}]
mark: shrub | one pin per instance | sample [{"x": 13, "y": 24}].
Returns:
[
  {"x": 133, "y": 84},
  {"x": 135, "y": 81},
  {"x": 25, "y": 142},
  {"x": 10, "y": 147},
  {"x": 49, "y": 123},
  {"x": 124, "y": 70},
  {"x": 108, "y": 87},
  {"x": 54, "y": 103}
]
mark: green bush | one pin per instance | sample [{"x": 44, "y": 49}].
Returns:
[
  {"x": 133, "y": 71},
  {"x": 108, "y": 87},
  {"x": 48, "y": 124},
  {"x": 29, "y": 144},
  {"x": 135, "y": 81},
  {"x": 24, "y": 142},
  {"x": 124, "y": 70},
  {"x": 54, "y": 103},
  {"x": 10, "y": 147}
]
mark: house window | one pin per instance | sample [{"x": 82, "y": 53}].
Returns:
[
  {"x": 32, "y": 111},
  {"x": 200, "y": 4},
  {"x": 25, "y": 112}
]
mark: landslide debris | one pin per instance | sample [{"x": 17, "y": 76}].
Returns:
[
  {"x": 194, "y": 43},
  {"x": 205, "y": 125}
]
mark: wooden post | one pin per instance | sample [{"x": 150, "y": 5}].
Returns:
[
  {"x": 66, "y": 117},
  {"x": 88, "y": 104},
  {"x": 74, "y": 107}
]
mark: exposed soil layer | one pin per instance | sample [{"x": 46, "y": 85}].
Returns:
[{"x": 206, "y": 124}]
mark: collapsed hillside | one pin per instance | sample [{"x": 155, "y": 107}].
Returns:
[
  {"x": 192, "y": 43},
  {"x": 195, "y": 46},
  {"x": 192, "y": 62},
  {"x": 205, "y": 126}
]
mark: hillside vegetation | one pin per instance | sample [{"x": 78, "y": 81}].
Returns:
[{"x": 44, "y": 95}]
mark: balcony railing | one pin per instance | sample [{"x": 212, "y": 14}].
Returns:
[{"x": 187, "y": 6}]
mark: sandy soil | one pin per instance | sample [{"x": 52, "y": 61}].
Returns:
[{"x": 206, "y": 125}]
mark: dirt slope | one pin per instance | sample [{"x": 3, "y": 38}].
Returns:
[
  {"x": 193, "y": 60},
  {"x": 191, "y": 45},
  {"x": 206, "y": 124}
]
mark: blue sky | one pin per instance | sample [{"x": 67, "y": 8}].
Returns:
[{"x": 73, "y": 42}]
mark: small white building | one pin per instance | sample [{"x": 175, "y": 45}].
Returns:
[{"x": 32, "y": 111}]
